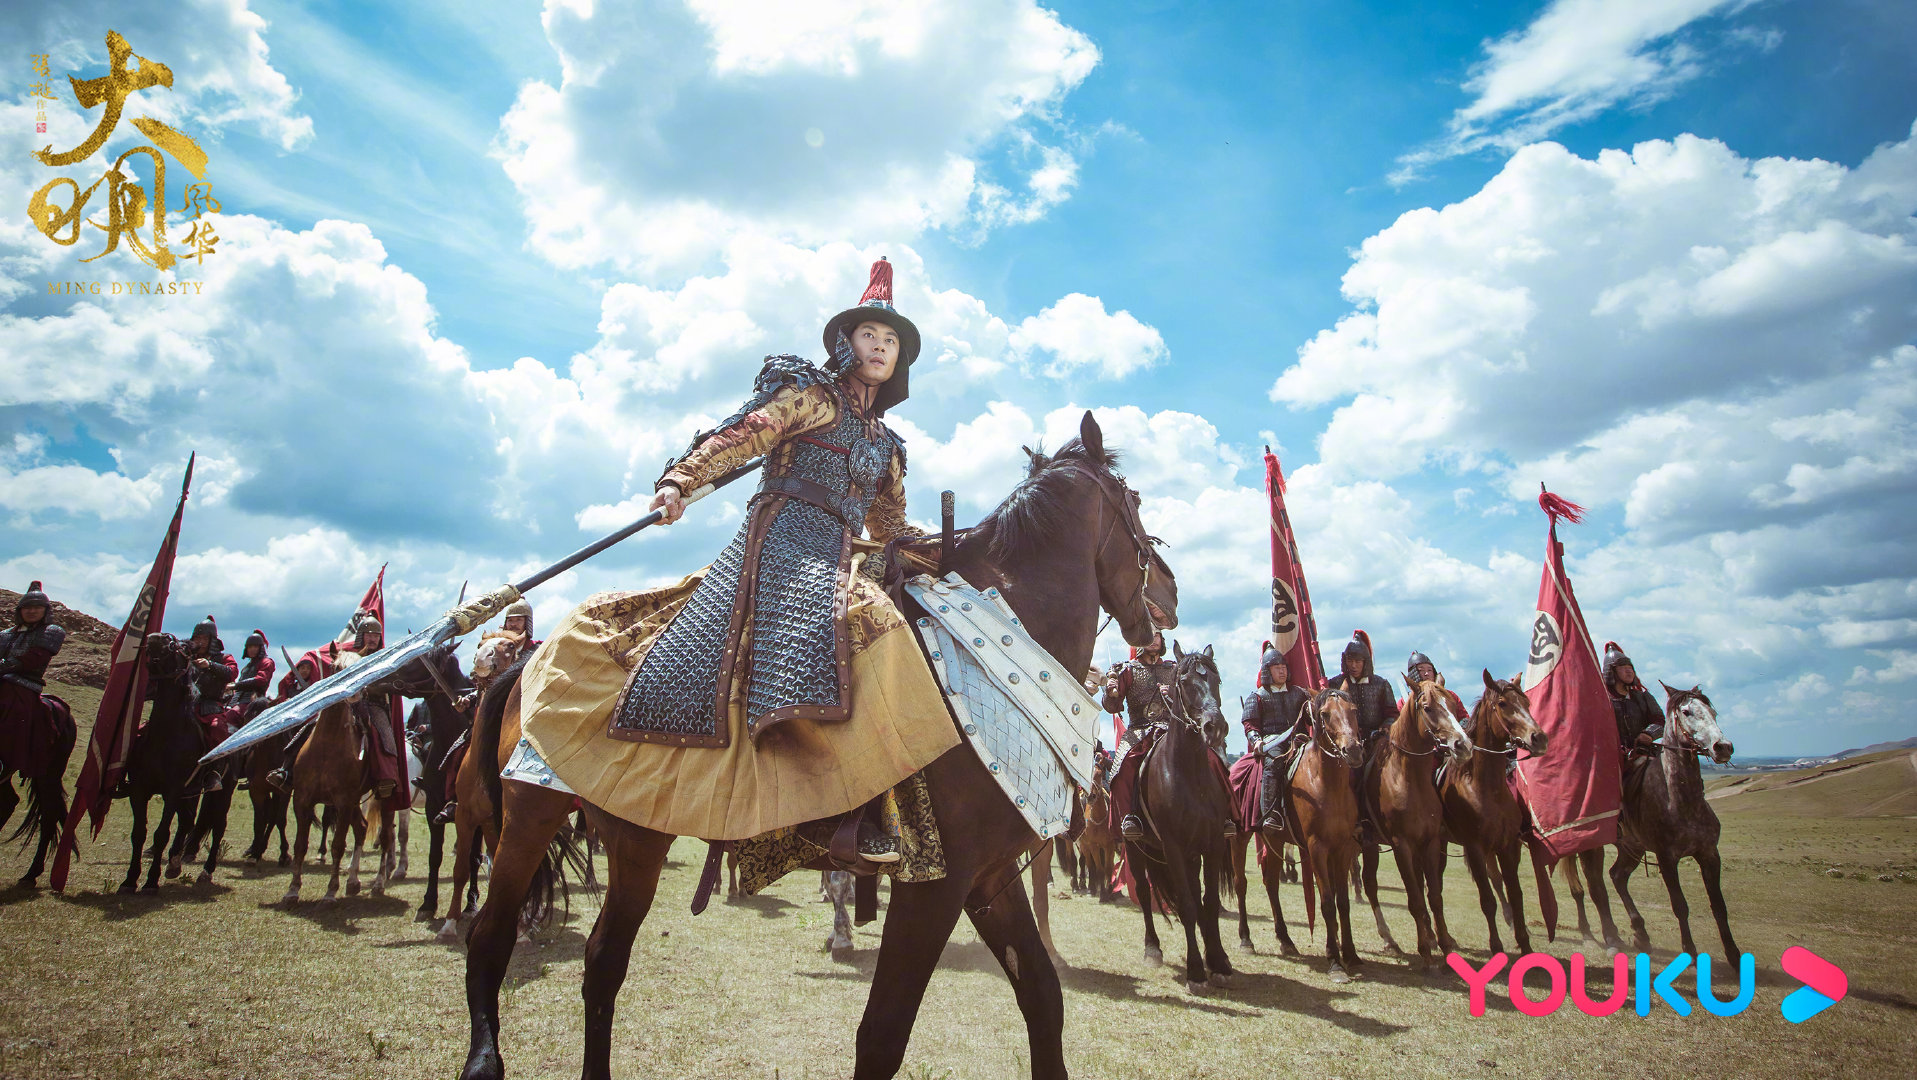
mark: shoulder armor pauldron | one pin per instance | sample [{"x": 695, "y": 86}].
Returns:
[{"x": 778, "y": 372}]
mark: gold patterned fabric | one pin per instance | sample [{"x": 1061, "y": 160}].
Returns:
[{"x": 906, "y": 811}]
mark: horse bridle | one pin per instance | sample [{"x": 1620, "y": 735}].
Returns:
[
  {"x": 1436, "y": 748},
  {"x": 1141, "y": 540},
  {"x": 1676, "y": 726},
  {"x": 1177, "y": 709},
  {"x": 1314, "y": 713},
  {"x": 1510, "y": 749}
]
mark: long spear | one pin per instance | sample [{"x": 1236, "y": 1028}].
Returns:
[{"x": 462, "y": 620}]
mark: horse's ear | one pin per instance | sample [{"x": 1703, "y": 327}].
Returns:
[
  {"x": 1698, "y": 689},
  {"x": 1517, "y": 681},
  {"x": 1091, "y": 436},
  {"x": 1178, "y": 651},
  {"x": 1490, "y": 683},
  {"x": 1669, "y": 690},
  {"x": 1208, "y": 652}
]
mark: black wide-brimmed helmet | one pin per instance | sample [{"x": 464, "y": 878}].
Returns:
[{"x": 874, "y": 306}]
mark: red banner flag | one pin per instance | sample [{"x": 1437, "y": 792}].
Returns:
[
  {"x": 1293, "y": 629},
  {"x": 1573, "y": 790},
  {"x": 123, "y": 699}
]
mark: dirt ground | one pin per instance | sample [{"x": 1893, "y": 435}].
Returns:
[{"x": 220, "y": 981}]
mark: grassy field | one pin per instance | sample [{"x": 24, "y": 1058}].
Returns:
[{"x": 218, "y": 981}]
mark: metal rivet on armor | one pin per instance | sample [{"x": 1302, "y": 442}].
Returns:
[
  {"x": 1021, "y": 800},
  {"x": 1015, "y": 621},
  {"x": 942, "y": 607},
  {"x": 1044, "y": 676},
  {"x": 525, "y": 742},
  {"x": 1074, "y": 708},
  {"x": 978, "y": 641},
  {"x": 967, "y": 606},
  {"x": 1013, "y": 677},
  {"x": 971, "y": 729},
  {"x": 991, "y": 592},
  {"x": 1005, "y": 639},
  {"x": 994, "y": 766},
  {"x": 923, "y": 621},
  {"x": 936, "y": 655},
  {"x": 1074, "y": 748},
  {"x": 544, "y": 780}
]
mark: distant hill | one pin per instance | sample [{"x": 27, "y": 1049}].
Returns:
[
  {"x": 1879, "y": 784},
  {"x": 1874, "y": 748},
  {"x": 83, "y": 661}
]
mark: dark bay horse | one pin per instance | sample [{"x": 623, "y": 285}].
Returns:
[
  {"x": 1067, "y": 541},
  {"x": 1186, "y": 808},
  {"x": 1400, "y": 783},
  {"x": 164, "y": 754},
  {"x": 210, "y": 814},
  {"x": 436, "y": 722},
  {"x": 1664, "y": 813},
  {"x": 1481, "y": 812},
  {"x": 46, "y": 791}
]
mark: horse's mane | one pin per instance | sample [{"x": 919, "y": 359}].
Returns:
[{"x": 1036, "y": 508}]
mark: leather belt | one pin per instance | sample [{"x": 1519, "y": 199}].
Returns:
[
  {"x": 805, "y": 491},
  {"x": 23, "y": 680}
]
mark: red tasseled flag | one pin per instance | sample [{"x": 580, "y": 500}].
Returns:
[
  {"x": 880, "y": 287},
  {"x": 1559, "y": 507}
]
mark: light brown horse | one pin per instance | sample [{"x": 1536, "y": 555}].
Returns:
[
  {"x": 334, "y": 768},
  {"x": 1400, "y": 784},
  {"x": 1099, "y": 844},
  {"x": 1481, "y": 812},
  {"x": 1321, "y": 804}
]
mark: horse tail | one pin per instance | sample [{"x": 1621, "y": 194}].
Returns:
[
  {"x": 492, "y": 713},
  {"x": 565, "y": 860},
  {"x": 47, "y": 794}
]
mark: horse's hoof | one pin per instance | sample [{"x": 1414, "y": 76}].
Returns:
[
  {"x": 173, "y": 868},
  {"x": 483, "y": 1066},
  {"x": 1219, "y": 980},
  {"x": 205, "y": 878},
  {"x": 1286, "y": 948},
  {"x": 1450, "y": 945},
  {"x": 286, "y": 860},
  {"x": 424, "y": 914},
  {"x": 1338, "y": 975},
  {"x": 151, "y": 888},
  {"x": 1244, "y": 942},
  {"x": 449, "y": 931},
  {"x": 292, "y": 897},
  {"x": 29, "y": 881},
  {"x": 352, "y": 888},
  {"x": 127, "y": 888},
  {"x": 1194, "y": 987},
  {"x": 1154, "y": 956}
]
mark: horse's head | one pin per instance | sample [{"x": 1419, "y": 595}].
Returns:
[
  {"x": 1503, "y": 721},
  {"x": 1197, "y": 679},
  {"x": 166, "y": 656},
  {"x": 1691, "y": 717},
  {"x": 1334, "y": 719},
  {"x": 494, "y": 654},
  {"x": 1434, "y": 719},
  {"x": 1077, "y": 493}
]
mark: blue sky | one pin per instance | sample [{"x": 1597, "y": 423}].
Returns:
[{"x": 487, "y": 265}]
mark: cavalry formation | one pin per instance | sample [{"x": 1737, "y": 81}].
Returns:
[{"x": 778, "y": 705}]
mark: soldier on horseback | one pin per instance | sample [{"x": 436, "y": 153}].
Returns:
[
  {"x": 1273, "y": 715},
  {"x": 772, "y": 680},
  {"x": 213, "y": 670},
  {"x": 379, "y": 710},
  {"x": 1377, "y": 705},
  {"x": 255, "y": 670},
  {"x": 1143, "y": 686},
  {"x": 1640, "y": 723},
  {"x": 26, "y": 725},
  {"x": 1420, "y": 669}
]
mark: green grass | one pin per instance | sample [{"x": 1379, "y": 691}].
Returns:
[{"x": 220, "y": 982}]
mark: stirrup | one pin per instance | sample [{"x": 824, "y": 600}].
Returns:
[
  {"x": 446, "y": 813},
  {"x": 1131, "y": 828},
  {"x": 1274, "y": 823},
  {"x": 877, "y": 847},
  {"x": 1231, "y": 829},
  {"x": 279, "y": 781}
]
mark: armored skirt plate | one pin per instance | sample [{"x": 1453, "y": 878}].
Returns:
[
  {"x": 1030, "y": 724},
  {"x": 527, "y": 766}
]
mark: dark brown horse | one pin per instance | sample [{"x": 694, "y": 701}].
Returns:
[
  {"x": 46, "y": 791},
  {"x": 1321, "y": 805},
  {"x": 1664, "y": 813},
  {"x": 1067, "y": 541},
  {"x": 1186, "y": 808},
  {"x": 1481, "y": 812},
  {"x": 165, "y": 752},
  {"x": 1400, "y": 783}
]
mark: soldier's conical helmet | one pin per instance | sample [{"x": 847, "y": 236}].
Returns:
[
  {"x": 1271, "y": 656},
  {"x": 35, "y": 596},
  {"x": 1613, "y": 656},
  {"x": 521, "y": 608},
  {"x": 206, "y": 628},
  {"x": 1416, "y": 658}
]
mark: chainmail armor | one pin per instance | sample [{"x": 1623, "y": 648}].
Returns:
[
  {"x": 675, "y": 690},
  {"x": 794, "y": 648}
]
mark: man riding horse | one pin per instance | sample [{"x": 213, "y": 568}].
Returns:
[
  {"x": 26, "y": 647},
  {"x": 1142, "y": 686},
  {"x": 213, "y": 670},
  {"x": 1371, "y": 692},
  {"x": 1273, "y": 716},
  {"x": 1419, "y": 669},
  {"x": 385, "y": 737},
  {"x": 1640, "y": 720},
  {"x": 517, "y": 621},
  {"x": 779, "y": 687}
]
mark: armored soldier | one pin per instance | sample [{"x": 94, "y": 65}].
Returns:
[
  {"x": 255, "y": 670},
  {"x": 1274, "y": 715},
  {"x": 1377, "y": 705},
  {"x": 831, "y": 705},
  {"x": 26, "y": 725},
  {"x": 1640, "y": 723},
  {"x": 212, "y": 671},
  {"x": 381, "y": 712},
  {"x": 1141, "y": 686},
  {"x": 1419, "y": 669}
]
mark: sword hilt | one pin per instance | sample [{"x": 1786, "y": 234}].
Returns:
[{"x": 470, "y": 616}]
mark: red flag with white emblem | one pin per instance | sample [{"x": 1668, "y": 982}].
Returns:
[
  {"x": 1293, "y": 630},
  {"x": 1572, "y": 790},
  {"x": 122, "y": 700}
]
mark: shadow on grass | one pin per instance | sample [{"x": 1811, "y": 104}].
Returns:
[
  {"x": 343, "y": 915},
  {"x": 768, "y": 906},
  {"x": 115, "y": 906}
]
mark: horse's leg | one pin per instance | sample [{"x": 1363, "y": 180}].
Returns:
[
  {"x": 1574, "y": 884},
  {"x": 356, "y": 822},
  {"x": 1591, "y": 862},
  {"x": 1711, "y": 867},
  {"x": 435, "y": 854},
  {"x": 1217, "y": 961},
  {"x": 402, "y": 829},
  {"x": 1239, "y": 886},
  {"x": 838, "y": 887},
  {"x": 1474, "y": 861},
  {"x": 212, "y": 826},
  {"x": 340, "y": 828},
  {"x": 465, "y": 860},
  {"x": 1010, "y": 934},
  {"x": 1181, "y": 880},
  {"x": 1622, "y": 868},
  {"x": 137, "y": 804},
  {"x": 1271, "y": 868},
  {"x": 1679, "y": 906},
  {"x": 257, "y": 794},
  {"x": 281, "y": 804},
  {"x": 50, "y": 798},
  {"x": 1142, "y": 887},
  {"x": 1042, "y": 897},
  {"x": 389, "y": 823},
  {"x": 303, "y": 831},
  {"x": 1341, "y": 892},
  {"x": 634, "y": 859},
  {"x": 1508, "y": 863},
  {"x": 9, "y": 798},
  {"x": 1436, "y": 855},
  {"x": 160, "y": 836},
  {"x": 176, "y": 814},
  {"x": 918, "y": 923},
  {"x": 1411, "y": 872},
  {"x": 533, "y": 815},
  {"x": 1370, "y": 881}
]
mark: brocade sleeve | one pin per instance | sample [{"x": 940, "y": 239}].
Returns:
[
  {"x": 885, "y": 520},
  {"x": 790, "y": 412}
]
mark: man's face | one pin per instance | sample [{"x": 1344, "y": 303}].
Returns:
[
  {"x": 254, "y": 649},
  {"x": 1155, "y": 650},
  {"x": 1425, "y": 673},
  {"x": 875, "y": 351},
  {"x": 1354, "y": 667},
  {"x": 199, "y": 645},
  {"x": 1279, "y": 673},
  {"x": 369, "y": 639},
  {"x": 1624, "y": 673},
  {"x": 305, "y": 668},
  {"x": 516, "y": 623},
  {"x": 33, "y": 613}
]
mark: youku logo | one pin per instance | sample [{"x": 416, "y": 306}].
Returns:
[{"x": 1631, "y": 980}]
